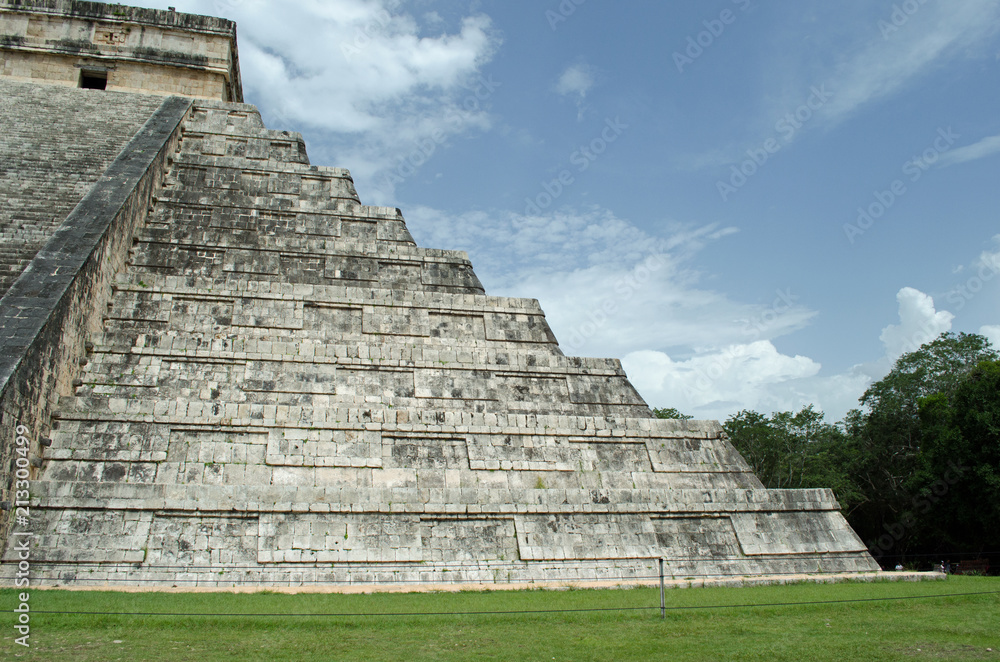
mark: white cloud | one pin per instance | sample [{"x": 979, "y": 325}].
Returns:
[
  {"x": 992, "y": 334},
  {"x": 682, "y": 344},
  {"x": 433, "y": 18},
  {"x": 377, "y": 86},
  {"x": 576, "y": 81},
  {"x": 982, "y": 275},
  {"x": 989, "y": 260},
  {"x": 979, "y": 150},
  {"x": 608, "y": 288},
  {"x": 718, "y": 383},
  {"x": 869, "y": 71},
  {"x": 895, "y": 59},
  {"x": 919, "y": 323},
  {"x": 509, "y": 244}
]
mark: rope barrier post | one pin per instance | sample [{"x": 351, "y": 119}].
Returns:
[{"x": 663, "y": 604}]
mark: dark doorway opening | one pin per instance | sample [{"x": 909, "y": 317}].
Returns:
[{"x": 94, "y": 80}]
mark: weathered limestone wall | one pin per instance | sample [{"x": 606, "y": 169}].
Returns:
[
  {"x": 54, "y": 145},
  {"x": 287, "y": 389},
  {"x": 62, "y": 296},
  {"x": 138, "y": 50}
]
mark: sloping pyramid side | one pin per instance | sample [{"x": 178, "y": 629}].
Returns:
[{"x": 288, "y": 390}]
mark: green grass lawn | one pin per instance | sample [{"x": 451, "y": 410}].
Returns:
[{"x": 705, "y": 624}]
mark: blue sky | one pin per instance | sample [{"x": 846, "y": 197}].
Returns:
[{"x": 752, "y": 204}]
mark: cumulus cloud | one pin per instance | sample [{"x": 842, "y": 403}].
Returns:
[
  {"x": 757, "y": 376},
  {"x": 919, "y": 323},
  {"x": 718, "y": 383},
  {"x": 376, "y": 87}
]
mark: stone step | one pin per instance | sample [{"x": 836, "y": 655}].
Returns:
[
  {"x": 120, "y": 451},
  {"x": 315, "y": 261},
  {"x": 196, "y": 320},
  {"x": 255, "y": 145},
  {"x": 482, "y": 500},
  {"x": 14, "y": 264},
  {"x": 240, "y": 178},
  {"x": 192, "y": 155},
  {"x": 447, "y": 347},
  {"x": 415, "y": 454},
  {"x": 195, "y": 286},
  {"x": 421, "y": 421},
  {"x": 293, "y": 232},
  {"x": 160, "y": 451},
  {"x": 324, "y": 313},
  {"x": 153, "y": 341},
  {"x": 347, "y": 387},
  {"x": 692, "y": 459},
  {"x": 380, "y": 224},
  {"x": 275, "y": 203}
]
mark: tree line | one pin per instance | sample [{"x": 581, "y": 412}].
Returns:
[{"x": 916, "y": 468}]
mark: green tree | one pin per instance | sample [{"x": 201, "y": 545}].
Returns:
[
  {"x": 887, "y": 461},
  {"x": 794, "y": 450},
  {"x": 936, "y": 367},
  {"x": 961, "y": 465},
  {"x": 670, "y": 412}
]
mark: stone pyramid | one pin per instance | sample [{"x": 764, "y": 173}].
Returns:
[
  {"x": 277, "y": 386},
  {"x": 286, "y": 388}
]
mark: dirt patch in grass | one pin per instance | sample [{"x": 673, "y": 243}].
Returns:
[{"x": 929, "y": 650}]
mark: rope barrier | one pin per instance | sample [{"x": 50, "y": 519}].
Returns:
[{"x": 515, "y": 611}]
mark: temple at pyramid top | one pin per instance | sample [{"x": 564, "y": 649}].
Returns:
[{"x": 114, "y": 47}]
